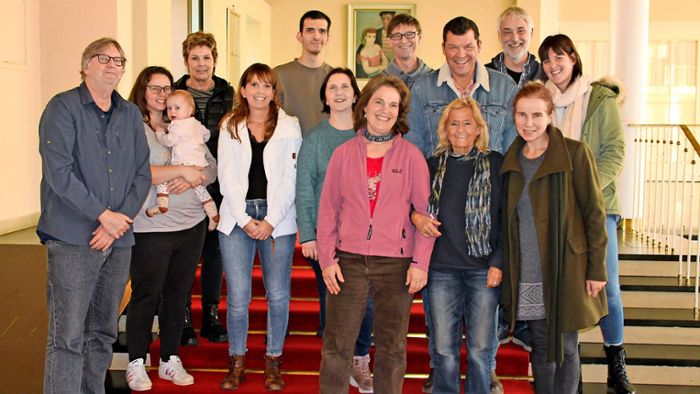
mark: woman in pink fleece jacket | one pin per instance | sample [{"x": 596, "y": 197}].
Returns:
[{"x": 367, "y": 245}]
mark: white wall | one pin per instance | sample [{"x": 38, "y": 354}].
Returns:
[{"x": 20, "y": 106}]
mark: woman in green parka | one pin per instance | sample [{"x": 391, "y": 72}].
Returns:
[
  {"x": 587, "y": 110},
  {"x": 555, "y": 240}
]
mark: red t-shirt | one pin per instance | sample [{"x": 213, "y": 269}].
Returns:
[{"x": 374, "y": 178}]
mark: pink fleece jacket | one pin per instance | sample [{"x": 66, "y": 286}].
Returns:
[{"x": 344, "y": 221}]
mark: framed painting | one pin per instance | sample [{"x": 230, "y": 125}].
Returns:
[{"x": 369, "y": 49}]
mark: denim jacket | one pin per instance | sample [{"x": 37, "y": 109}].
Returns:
[{"x": 493, "y": 91}]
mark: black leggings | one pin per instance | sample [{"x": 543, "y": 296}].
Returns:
[{"x": 162, "y": 265}]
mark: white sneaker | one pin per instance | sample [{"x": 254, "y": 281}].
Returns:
[
  {"x": 136, "y": 376},
  {"x": 174, "y": 371}
]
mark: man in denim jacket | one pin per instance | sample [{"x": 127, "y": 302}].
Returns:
[{"x": 462, "y": 76}]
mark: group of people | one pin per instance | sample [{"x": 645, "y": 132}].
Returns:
[{"x": 476, "y": 185}]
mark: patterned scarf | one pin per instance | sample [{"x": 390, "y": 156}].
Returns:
[{"x": 477, "y": 210}]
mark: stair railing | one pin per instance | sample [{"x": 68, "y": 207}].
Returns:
[{"x": 666, "y": 204}]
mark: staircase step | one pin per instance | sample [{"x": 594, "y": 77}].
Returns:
[
  {"x": 648, "y": 374},
  {"x": 303, "y": 353},
  {"x": 649, "y": 335},
  {"x": 602, "y": 388},
  {"x": 668, "y": 268},
  {"x": 303, "y": 315},
  {"x": 657, "y": 299},
  {"x": 655, "y": 283},
  {"x": 645, "y": 354},
  {"x": 296, "y": 383}
]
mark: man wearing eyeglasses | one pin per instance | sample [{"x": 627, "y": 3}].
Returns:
[
  {"x": 405, "y": 35},
  {"x": 95, "y": 177}
]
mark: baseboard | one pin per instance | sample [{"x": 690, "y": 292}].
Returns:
[{"x": 18, "y": 223}]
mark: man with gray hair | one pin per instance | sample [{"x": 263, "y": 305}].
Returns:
[
  {"x": 515, "y": 28},
  {"x": 95, "y": 177}
]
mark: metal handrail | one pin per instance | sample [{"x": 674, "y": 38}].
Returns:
[{"x": 667, "y": 195}]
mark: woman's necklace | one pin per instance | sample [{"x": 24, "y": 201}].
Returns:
[{"x": 378, "y": 139}]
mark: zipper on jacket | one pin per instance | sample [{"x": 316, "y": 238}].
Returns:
[{"x": 369, "y": 231}]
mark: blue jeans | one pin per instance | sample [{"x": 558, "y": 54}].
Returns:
[
  {"x": 612, "y": 325},
  {"x": 238, "y": 252},
  {"x": 459, "y": 299},
  {"x": 83, "y": 291}
]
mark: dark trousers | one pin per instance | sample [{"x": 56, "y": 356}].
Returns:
[
  {"x": 163, "y": 266},
  {"x": 549, "y": 377},
  {"x": 364, "y": 339},
  {"x": 383, "y": 279}
]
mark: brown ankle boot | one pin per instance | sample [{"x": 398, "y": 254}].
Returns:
[
  {"x": 273, "y": 375},
  {"x": 236, "y": 373}
]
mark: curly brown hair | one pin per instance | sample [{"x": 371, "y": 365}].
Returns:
[{"x": 358, "y": 115}]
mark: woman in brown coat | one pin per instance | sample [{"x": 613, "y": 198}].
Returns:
[{"x": 555, "y": 240}]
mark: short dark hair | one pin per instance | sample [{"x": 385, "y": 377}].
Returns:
[
  {"x": 387, "y": 12},
  {"x": 402, "y": 19},
  {"x": 353, "y": 83},
  {"x": 561, "y": 44},
  {"x": 359, "y": 120},
  {"x": 460, "y": 26},
  {"x": 313, "y": 14}
]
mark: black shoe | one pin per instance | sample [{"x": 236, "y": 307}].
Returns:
[
  {"x": 618, "y": 382},
  {"x": 428, "y": 383},
  {"x": 212, "y": 329},
  {"x": 189, "y": 337}
]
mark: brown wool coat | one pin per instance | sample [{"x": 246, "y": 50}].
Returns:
[{"x": 583, "y": 230}]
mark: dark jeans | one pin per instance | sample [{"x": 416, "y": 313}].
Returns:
[
  {"x": 549, "y": 377},
  {"x": 163, "y": 264},
  {"x": 83, "y": 290},
  {"x": 364, "y": 340},
  {"x": 212, "y": 270},
  {"x": 383, "y": 279}
]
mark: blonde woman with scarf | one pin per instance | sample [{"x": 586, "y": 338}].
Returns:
[{"x": 587, "y": 110}]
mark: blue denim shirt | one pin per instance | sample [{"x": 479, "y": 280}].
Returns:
[
  {"x": 407, "y": 78},
  {"x": 493, "y": 91},
  {"x": 89, "y": 165}
]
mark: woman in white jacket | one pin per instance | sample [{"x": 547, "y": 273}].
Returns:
[{"x": 258, "y": 146}]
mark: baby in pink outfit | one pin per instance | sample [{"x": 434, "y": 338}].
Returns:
[{"x": 186, "y": 137}]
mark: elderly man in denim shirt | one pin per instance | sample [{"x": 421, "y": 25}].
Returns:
[
  {"x": 463, "y": 75},
  {"x": 95, "y": 177}
]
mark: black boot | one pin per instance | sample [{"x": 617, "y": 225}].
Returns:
[
  {"x": 618, "y": 381},
  {"x": 211, "y": 326},
  {"x": 189, "y": 337}
]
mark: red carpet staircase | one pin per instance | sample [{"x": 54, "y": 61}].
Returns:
[{"x": 302, "y": 351}]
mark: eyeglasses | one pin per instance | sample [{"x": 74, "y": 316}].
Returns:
[
  {"x": 104, "y": 59},
  {"x": 409, "y": 35},
  {"x": 155, "y": 89}
]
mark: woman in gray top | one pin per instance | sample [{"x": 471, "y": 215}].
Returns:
[{"x": 167, "y": 249}]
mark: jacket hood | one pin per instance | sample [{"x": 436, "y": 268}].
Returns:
[{"x": 613, "y": 86}]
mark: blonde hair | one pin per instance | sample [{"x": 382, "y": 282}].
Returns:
[
  {"x": 185, "y": 95},
  {"x": 482, "y": 140}
]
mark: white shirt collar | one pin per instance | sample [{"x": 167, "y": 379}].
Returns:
[{"x": 482, "y": 78}]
